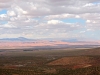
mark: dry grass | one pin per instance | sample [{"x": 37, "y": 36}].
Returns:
[{"x": 72, "y": 61}]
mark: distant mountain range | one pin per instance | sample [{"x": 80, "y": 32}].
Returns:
[
  {"x": 26, "y": 39},
  {"x": 16, "y": 39},
  {"x": 22, "y": 42}
]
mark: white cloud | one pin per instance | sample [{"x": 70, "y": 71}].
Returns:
[
  {"x": 4, "y": 17},
  {"x": 11, "y": 13},
  {"x": 54, "y": 22},
  {"x": 44, "y": 18}
]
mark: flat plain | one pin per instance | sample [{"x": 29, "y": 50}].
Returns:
[{"x": 60, "y": 61}]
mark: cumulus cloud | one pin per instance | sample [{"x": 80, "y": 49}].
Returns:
[
  {"x": 4, "y": 4},
  {"x": 47, "y": 18},
  {"x": 4, "y": 17},
  {"x": 11, "y": 13}
]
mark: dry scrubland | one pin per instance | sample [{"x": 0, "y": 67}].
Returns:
[{"x": 50, "y": 62}]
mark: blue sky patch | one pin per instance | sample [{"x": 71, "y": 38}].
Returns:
[
  {"x": 96, "y": 3},
  {"x": 74, "y": 20},
  {"x": 4, "y": 22},
  {"x": 93, "y": 34},
  {"x": 3, "y": 11}
]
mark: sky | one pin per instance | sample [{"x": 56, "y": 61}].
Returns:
[{"x": 40, "y": 19}]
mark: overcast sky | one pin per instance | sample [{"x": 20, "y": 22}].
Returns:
[{"x": 75, "y": 19}]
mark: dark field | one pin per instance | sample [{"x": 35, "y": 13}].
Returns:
[{"x": 50, "y": 62}]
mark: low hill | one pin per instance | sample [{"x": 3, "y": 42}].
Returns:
[
  {"x": 72, "y": 60},
  {"x": 76, "y": 61}
]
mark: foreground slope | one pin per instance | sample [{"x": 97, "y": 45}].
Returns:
[{"x": 72, "y": 61}]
